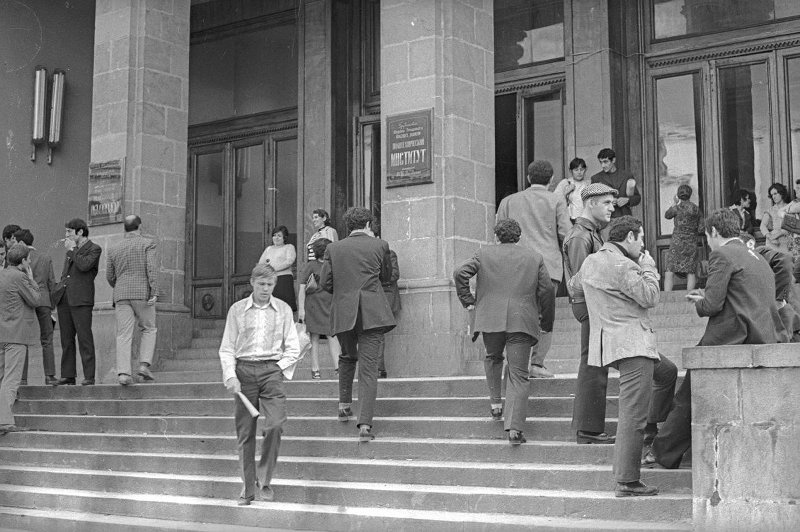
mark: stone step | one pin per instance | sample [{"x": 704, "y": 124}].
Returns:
[
  {"x": 668, "y": 308},
  {"x": 538, "y": 428},
  {"x": 432, "y": 472},
  {"x": 337, "y": 517},
  {"x": 687, "y": 335},
  {"x": 297, "y": 406},
  {"x": 401, "y": 387},
  {"x": 36, "y": 520},
  {"x": 401, "y": 448},
  {"x": 510, "y": 499}
]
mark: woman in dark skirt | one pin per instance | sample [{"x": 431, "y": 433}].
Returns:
[
  {"x": 682, "y": 256},
  {"x": 281, "y": 256},
  {"x": 315, "y": 308}
]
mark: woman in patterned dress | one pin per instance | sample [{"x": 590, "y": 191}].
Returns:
[
  {"x": 776, "y": 237},
  {"x": 682, "y": 255}
]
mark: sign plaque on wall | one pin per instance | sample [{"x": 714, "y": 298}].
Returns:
[
  {"x": 106, "y": 187},
  {"x": 408, "y": 148}
]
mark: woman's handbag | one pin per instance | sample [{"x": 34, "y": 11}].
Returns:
[
  {"x": 311, "y": 284},
  {"x": 791, "y": 223}
]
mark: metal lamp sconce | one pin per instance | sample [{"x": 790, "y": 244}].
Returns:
[{"x": 40, "y": 111}]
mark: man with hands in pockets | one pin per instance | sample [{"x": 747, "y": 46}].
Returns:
[{"x": 259, "y": 345}]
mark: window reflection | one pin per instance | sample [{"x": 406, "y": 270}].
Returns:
[
  {"x": 673, "y": 18},
  {"x": 745, "y": 132},
  {"x": 249, "y": 185},
  {"x": 793, "y": 75},
  {"x": 527, "y": 32},
  {"x": 544, "y": 135},
  {"x": 209, "y": 214},
  {"x": 286, "y": 186},
  {"x": 678, "y": 142}
]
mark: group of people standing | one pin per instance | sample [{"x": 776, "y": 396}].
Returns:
[
  {"x": 30, "y": 292},
  {"x": 344, "y": 294}
]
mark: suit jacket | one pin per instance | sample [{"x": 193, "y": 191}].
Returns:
[
  {"x": 18, "y": 322},
  {"x": 544, "y": 221},
  {"x": 619, "y": 294},
  {"x": 513, "y": 290},
  {"x": 42, "y": 267},
  {"x": 80, "y": 269},
  {"x": 390, "y": 288},
  {"x": 132, "y": 268},
  {"x": 353, "y": 270},
  {"x": 739, "y": 298}
]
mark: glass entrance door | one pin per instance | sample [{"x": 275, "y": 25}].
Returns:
[{"x": 239, "y": 191}]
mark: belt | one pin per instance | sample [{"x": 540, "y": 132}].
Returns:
[{"x": 254, "y": 361}]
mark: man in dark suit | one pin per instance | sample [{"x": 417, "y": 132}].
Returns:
[
  {"x": 42, "y": 267},
  {"x": 739, "y": 300},
  {"x": 353, "y": 270},
  {"x": 513, "y": 290},
  {"x": 76, "y": 301}
]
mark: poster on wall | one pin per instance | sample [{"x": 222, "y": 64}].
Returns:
[
  {"x": 106, "y": 187},
  {"x": 408, "y": 148}
]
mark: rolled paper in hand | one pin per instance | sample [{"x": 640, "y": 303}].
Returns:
[{"x": 250, "y": 408}]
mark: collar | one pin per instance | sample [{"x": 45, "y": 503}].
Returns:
[
  {"x": 250, "y": 303},
  {"x": 131, "y": 234},
  {"x": 621, "y": 249},
  {"x": 537, "y": 187},
  {"x": 587, "y": 224},
  {"x": 358, "y": 232},
  {"x": 736, "y": 241}
]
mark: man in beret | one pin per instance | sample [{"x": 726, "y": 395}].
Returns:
[{"x": 544, "y": 220}]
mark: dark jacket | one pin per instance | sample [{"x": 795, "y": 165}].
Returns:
[
  {"x": 80, "y": 269},
  {"x": 619, "y": 180},
  {"x": 390, "y": 287},
  {"x": 739, "y": 298},
  {"x": 582, "y": 240},
  {"x": 353, "y": 270},
  {"x": 513, "y": 290},
  {"x": 42, "y": 268}
]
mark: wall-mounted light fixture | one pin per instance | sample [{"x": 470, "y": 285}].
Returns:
[
  {"x": 39, "y": 108},
  {"x": 56, "y": 112}
]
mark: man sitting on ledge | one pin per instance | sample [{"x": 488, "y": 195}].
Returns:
[{"x": 739, "y": 300}]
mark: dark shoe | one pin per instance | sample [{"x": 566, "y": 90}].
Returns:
[
  {"x": 23, "y": 382},
  {"x": 336, "y": 372},
  {"x": 650, "y": 462},
  {"x": 124, "y": 379},
  {"x": 591, "y": 437},
  {"x": 11, "y": 428},
  {"x": 315, "y": 375},
  {"x": 365, "y": 434},
  {"x": 497, "y": 414},
  {"x": 266, "y": 494},
  {"x": 634, "y": 489},
  {"x": 515, "y": 437},
  {"x": 87, "y": 382},
  {"x": 649, "y": 438},
  {"x": 382, "y": 375},
  {"x": 245, "y": 501},
  {"x": 50, "y": 380},
  {"x": 345, "y": 414},
  {"x": 144, "y": 373},
  {"x": 65, "y": 380}
]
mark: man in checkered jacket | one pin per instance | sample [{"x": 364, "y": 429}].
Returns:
[{"x": 132, "y": 270}]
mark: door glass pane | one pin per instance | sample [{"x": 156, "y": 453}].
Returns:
[
  {"x": 209, "y": 213},
  {"x": 371, "y": 171},
  {"x": 686, "y": 17},
  {"x": 505, "y": 142},
  {"x": 793, "y": 75},
  {"x": 526, "y": 32},
  {"x": 249, "y": 209},
  {"x": 678, "y": 142},
  {"x": 745, "y": 132},
  {"x": 544, "y": 132},
  {"x": 286, "y": 186}
]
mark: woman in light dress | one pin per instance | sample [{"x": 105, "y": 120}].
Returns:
[
  {"x": 322, "y": 225},
  {"x": 777, "y": 238}
]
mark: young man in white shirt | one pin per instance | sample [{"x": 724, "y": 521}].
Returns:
[{"x": 259, "y": 344}]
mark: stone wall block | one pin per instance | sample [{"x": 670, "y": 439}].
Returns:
[
  {"x": 484, "y": 106},
  {"x": 459, "y": 177},
  {"x": 162, "y": 89},
  {"x": 120, "y": 53},
  {"x": 152, "y": 185},
  {"x": 112, "y": 24},
  {"x": 459, "y": 99},
  {"x": 463, "y": 22},
  {"x": 456, "y": 138},
  {"x": 413, "y": 94},
  {"x": 422, "y": 58},
  {"x": 424, "y": 218},
  {"x": 723, "y": 405},
  {"x": 102, "y": 57},
  {"x": 154, "y": 119},
  {"x": 175, "y": 189},
  {"x": 468, "y": 62},
  {"x": 484, "y": 184},
  {"x": 106, "y": 6},
  {"x": 468, "y": 218},
  {"x": 410, "y": 22},
  {"x": 420, "y": 257},
  {"x": 100, "y": 121},
  {"x": 157, "y": 153},
  {"x": 397, "y": 59},
  {"x": 165, "y": 283},
  {"x": 114, "y": 86},
  {"x": 484, "y": 30},
  {"x": 117, "y": 117},
  {"x": 400, "y": 214},
  {"x": 177, "y": 122},
  {"x": 769, "y": 400},
  {"x": 107, "y": 147},
  {"x": 477, "y": 143},
  {"x": 180, "y": 149},
  {"x": 157, "y": 54},
  {"x": 168, "y": 250},
  {"x": 165, "y": 6}
]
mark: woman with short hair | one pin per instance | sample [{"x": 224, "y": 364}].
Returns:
[
  {"x": 281, "y": 255},
  {"x": 322, "y": 223}
]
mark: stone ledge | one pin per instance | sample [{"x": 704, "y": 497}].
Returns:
[{"x": 742, "y": 356}]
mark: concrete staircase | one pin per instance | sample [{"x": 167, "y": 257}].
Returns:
[{"x": 163, "y": 457}]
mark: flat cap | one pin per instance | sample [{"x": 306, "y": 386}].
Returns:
[{"x": 597, "y": 189}]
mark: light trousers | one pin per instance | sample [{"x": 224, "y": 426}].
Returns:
[
  {"x": 12, "y": 358},
  {"x": 129, "y": 312}
]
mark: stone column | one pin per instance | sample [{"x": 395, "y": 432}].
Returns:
[
  {"x": 438, "y": 54},
  {"x": 745, "y": 436},
  {"x": 140, "y": 113}
]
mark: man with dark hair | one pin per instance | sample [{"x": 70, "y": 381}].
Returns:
[
  {"x": 619, "y": 179},
  {"x": 42, "y": 267},
  {"x": 544, "y": 220},
  {"x": 75, "y": 302},
  {"x": 514, "y": 304},
  {"x": 353, "y": 270},
  {"x": 8, "y": 232},
  {"x": 132, "y": 271},
  {"x": 18, "y": 330},
  {"x": 739, "y": 300},
  {"x": 742, "y": 204},
  {"x": 620, "y": 284}
]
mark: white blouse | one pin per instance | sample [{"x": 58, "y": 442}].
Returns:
[{"x": 281, "y": 258}]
